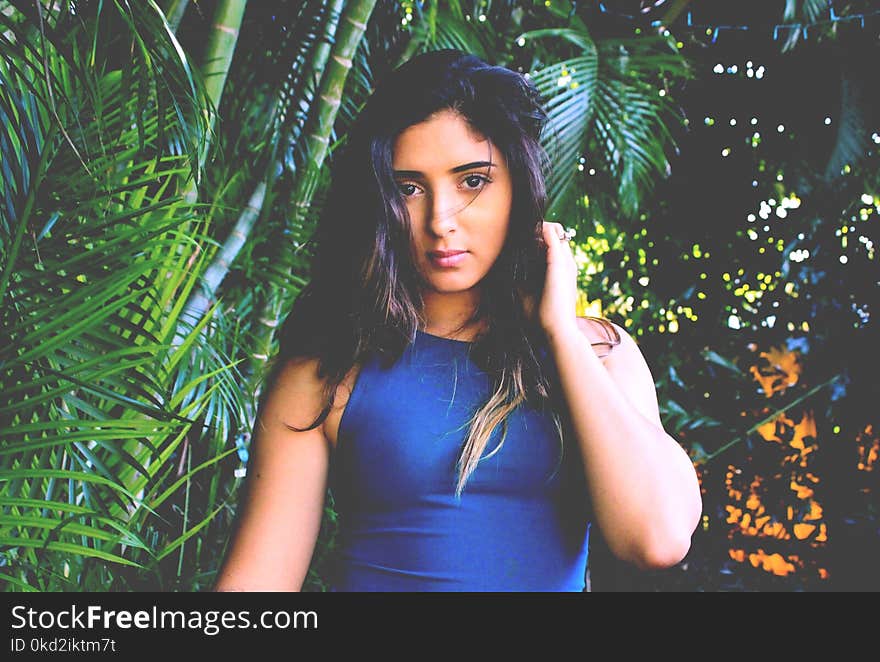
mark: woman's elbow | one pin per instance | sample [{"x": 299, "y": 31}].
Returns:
[
  {"x": 666, "y": 555},
  {"x": 670, "y": 546}
]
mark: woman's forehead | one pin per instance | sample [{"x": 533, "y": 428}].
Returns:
[{"x": 442, "y": 141}]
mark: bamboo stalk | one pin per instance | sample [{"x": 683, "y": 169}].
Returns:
[
  {"x": 200, "y": 300},
  {"x": 317, "y": 131},
  {"x": 215, "y": 68},
  {"x": 345, "y": 37}
]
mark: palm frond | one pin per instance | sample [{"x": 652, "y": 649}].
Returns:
[
  {"x": 603, "y": 107},
  {"x": 852, "y": 127},
  {"x": 446, "y": 27},
  {"x": 97, "y": 253},
  {"x": 800, "y": 13}
]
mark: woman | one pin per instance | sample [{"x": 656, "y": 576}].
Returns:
[{"x": 479, "y": 433}]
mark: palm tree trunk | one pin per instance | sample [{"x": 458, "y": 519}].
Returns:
[
  {"x": 220, "y": 49},
  {"x": 215, "y": 67},
  {"x": 322, "y": 52},
  {"x": 200, "y": 300},
  {"x": 350, "y": 32},
  {"x": 215, "y": 70}
]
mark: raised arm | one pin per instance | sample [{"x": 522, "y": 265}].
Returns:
[{"x": 276, "y": 531}]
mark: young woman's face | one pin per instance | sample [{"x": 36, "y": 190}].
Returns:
[{"x": 458, "y": 192}]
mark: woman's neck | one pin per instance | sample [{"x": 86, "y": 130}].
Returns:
[{"x": 446, "y": 314}]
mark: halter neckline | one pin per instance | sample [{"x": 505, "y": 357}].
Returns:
[{"x": 432, "y": 336}]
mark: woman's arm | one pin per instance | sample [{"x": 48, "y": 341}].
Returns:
[
  {"x": 643, "y": 485},
  {"x": 272, "y": 546},
  {"x": 644, "y": 488}
]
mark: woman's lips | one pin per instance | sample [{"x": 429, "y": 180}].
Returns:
[{"x": 445, "y": 261}]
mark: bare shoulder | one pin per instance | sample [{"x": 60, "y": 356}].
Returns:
[
  {"x": 299, "y": 396},
  {"x": 296, "y": 395}
]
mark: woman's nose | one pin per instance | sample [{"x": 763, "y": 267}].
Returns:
[{"x": 443, "y": 213}]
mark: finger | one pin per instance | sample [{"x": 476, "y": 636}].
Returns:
[
  {"x": 555, "y": 231},
  {"x": 551, "y": 231},
  {"x": 552, "y": 244},
  {"x": 548, "y": 235}
]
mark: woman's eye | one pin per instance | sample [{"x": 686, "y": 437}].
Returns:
[
  {"x": 471, "y": 182},
  {"x": 476, "y": 181}
]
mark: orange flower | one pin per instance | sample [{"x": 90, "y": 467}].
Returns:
[
  {"x": 805, "y": 428},
  {"x": 802, "y": 531},
  {"x": 815, "y": 512},
  {"x": 803, "y": 492},
  {"x": 776, "y": 564},
  {"x": 775, "y": 529},
  {"x": 768, "y": 431}
]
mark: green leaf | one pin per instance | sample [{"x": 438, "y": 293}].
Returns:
[
  {"x": 714, "y": 357},
  {"x": 70, "y": 548}
]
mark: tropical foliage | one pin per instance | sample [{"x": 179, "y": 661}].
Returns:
[{"x": 164, "y": 164}]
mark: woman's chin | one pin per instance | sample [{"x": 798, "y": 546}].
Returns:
[{"x": 451, "y": 285}]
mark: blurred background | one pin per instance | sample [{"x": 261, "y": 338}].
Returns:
[{"x": 164, "y": 164}]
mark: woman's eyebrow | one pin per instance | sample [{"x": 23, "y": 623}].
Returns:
[{"x": 460, "y": 168}]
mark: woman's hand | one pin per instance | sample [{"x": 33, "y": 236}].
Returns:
[{"x": 557, "y": 311}]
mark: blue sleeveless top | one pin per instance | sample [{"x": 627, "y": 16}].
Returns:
[{"x": 521, "y": 523}]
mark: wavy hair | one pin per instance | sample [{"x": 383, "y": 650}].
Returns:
[{"x": 364, "y": 297}]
